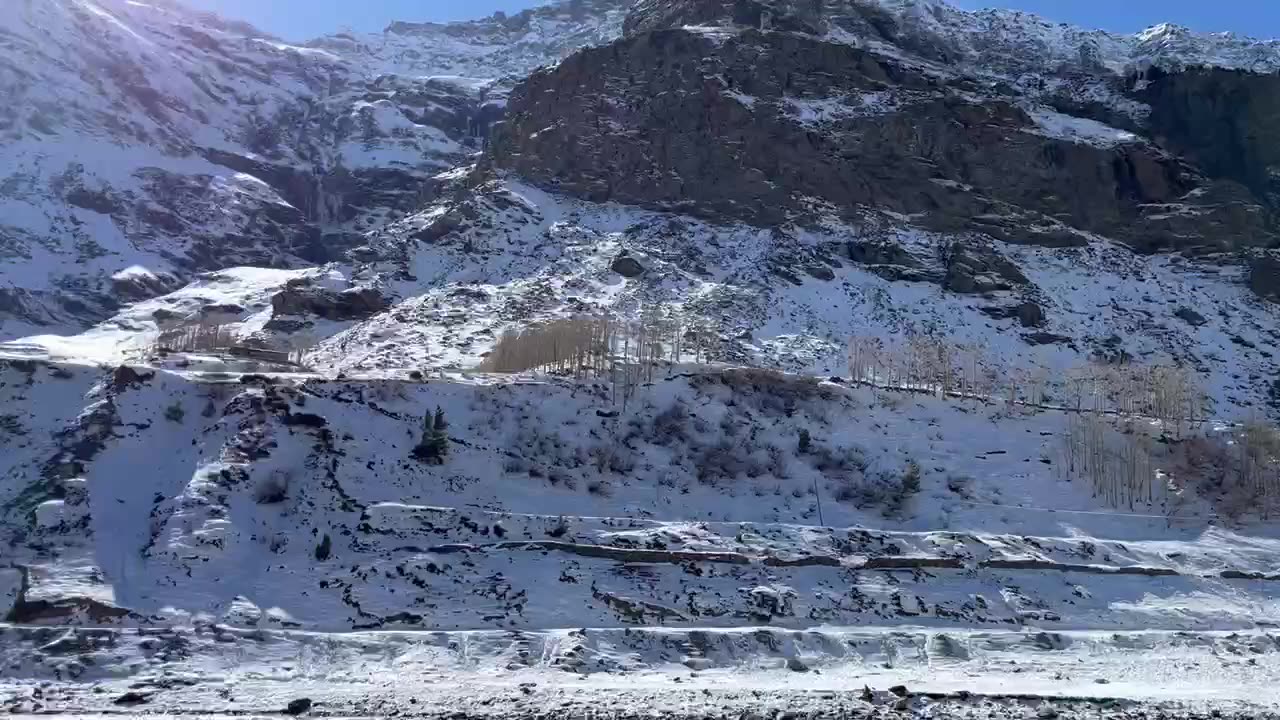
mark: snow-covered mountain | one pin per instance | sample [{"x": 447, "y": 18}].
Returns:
[
  {"x": 1054, "y": 247},
  {"x": 144, "y": 143}
]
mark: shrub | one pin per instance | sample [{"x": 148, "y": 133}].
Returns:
[
  {"x": 670, "y": 426},
  {"x": 842, "y": 461},
  {"x": 720, "y": 461},
  {"x": 622, "y": 460},
  {"x": 560, "y": 529},
  {"x": 324, "y": 549},
  {"x": 907, "y": 486},
  {"x": 778, "y": 465},
  {"x": 870, "y": 490},
  {"x": 12, "y": 425},
  {"x": 175, "y": 413},
  {"x": 272, "y": 489},
  {"x": 729, "y": 425},
  {"x": 563, "y": 477},
  {"x": 961, "y": 485},
  {"x": 806, "y": 441},
  {"x": 434, "y": 446}
]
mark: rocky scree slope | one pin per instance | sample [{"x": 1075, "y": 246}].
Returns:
[{"x": 144, "y": 143}]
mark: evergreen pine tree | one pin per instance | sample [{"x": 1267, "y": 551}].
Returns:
[
  {"x": 434, "y": 446},
  {"x": 439, "y": 437}
]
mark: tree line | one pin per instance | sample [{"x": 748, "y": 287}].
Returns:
[{"x": 624, "y": 350}]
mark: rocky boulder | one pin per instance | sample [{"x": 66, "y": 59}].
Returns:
[
  {"x": 1264, "y": 276},
  {"x": 627, "y": 266},
  {"x": 1029, "y": 313},
  {"x": 975, "y": 269},
  {"x": 306, "y": 298},
  {"x": 1190, "y": 317}
]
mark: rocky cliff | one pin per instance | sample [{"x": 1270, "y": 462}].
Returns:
[{"x": 840, "y": 109}]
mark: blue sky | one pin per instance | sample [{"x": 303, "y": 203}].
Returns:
[{"x": 304, "y": 19}]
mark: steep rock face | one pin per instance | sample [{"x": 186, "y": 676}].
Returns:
[
  {"x": 818, "y": 122},
  {"x": 698, "y": 110},
  {"x": 1228, "y": 121}
]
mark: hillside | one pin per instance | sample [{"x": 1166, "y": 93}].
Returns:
[
  {"x": 675, "y": 358},
  {"x": 146, "y": 143}
]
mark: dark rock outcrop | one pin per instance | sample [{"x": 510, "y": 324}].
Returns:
[
  {"x": 1047, "y": 338},
  {"x": 302, "y": 297},
  {"x": 133, "y": 287},
  {"x": 1029, "y": 314},
  {"x": 627, "y": 266},
  {"x": 761, "y": 116},
  {"x": 1226, "y": 121},
  {"x": 1189, "y": 316},
  {"x": 61, "y": 609},
  {"x": 974, "y": 269},
  {"x": 797, "y": 118},
  {"x": 1264, "y": 276},
  {"x": 889, "y": 261}
]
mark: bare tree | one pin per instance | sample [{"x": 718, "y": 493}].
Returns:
[{"x": 197, "y": 337}]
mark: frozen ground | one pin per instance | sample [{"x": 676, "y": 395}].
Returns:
[
  {"x": 706, "y": 673},
  {"x": 533, "y": 574},
  {"x": 194, "y": 535}
]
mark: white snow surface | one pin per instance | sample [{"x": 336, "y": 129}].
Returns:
[
  {"x": 1080, "y": 130},
  {"x": 130, "y": 126},
  {"x": 570, "y": 548},
  {"x": 518, "y": 561}
]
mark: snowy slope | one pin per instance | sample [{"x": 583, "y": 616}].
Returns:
[
  {"x": 542, "y": 475},
  {"x": 494, "y": 51},
  {"x": 215, "y": 533},
  {"x": 527, "y": 564},
  {"x": 154, "y": 136},
  {"x": 791, "y": 297}
]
